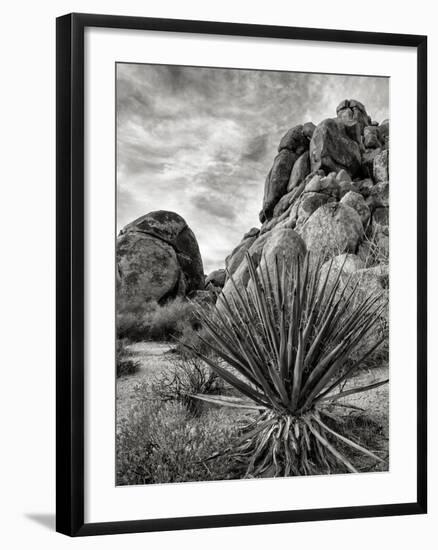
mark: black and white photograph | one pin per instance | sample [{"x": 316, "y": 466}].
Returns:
[
  {"x": 252, "y": 274},
  {"x": 215, "y": 310}
]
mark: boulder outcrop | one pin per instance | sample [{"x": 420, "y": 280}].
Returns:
[
  {"x": 357, "y": 202},
  {"x": 158, "y": 258},
  {"x": 300, "y": 170},
  {"x": 327, "y": 193},
  {"x": 216, "y": 278},
  {"x": 348, "y": 152},
  {"x": 277, "y": 181},
  {"x": 233, "y": 261},
  {"x": 332, "y": 149},
  {"x": 332, "y": 229},
  {"x": 329, "y": 186},
  {"x": 282, "y": 242}
]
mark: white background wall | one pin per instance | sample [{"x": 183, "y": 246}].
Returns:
[{"x": 27, "y": 203}]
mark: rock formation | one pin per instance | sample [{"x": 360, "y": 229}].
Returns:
[
  {"x": 327, "y": 192},
  {"x": 158, "y": 259},
  {"x": 215, "y": 279}
]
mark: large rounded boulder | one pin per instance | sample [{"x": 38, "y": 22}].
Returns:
[
  {"x": 357, "y": 202},
  {"x": 148, "y": 269},
  {"x": 300, "y": 170},
  {"x": 351, "y": 111},
  {"x": 277, "y": 181},
  {"x": 309, "y": 202},
  {"x": 366, "y": 283},
  {"x": 373, "y": 282},
  {"x": 281, "y": 242},
  {"x": 285, "y": 245},
  {"x": 158, "y": 258},
  {"x": 216, "y": 278},
  {"x": 334, "y": 228},
  {"x": 294, "y": 140},
  {"x": 233, "y": 260},
  {"x": 344, "y": 263},
  {"x": 332, "y": 149}
]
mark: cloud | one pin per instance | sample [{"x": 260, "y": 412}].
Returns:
[
  {"x": 256, "y": 148},
  {"x": 217, "y": 206},
  {"x": 200, "y": 141}
]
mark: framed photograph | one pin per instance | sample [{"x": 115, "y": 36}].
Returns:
[{"x": 241, "y": 274}]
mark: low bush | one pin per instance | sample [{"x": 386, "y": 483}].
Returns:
[
  {"x": 124, "y": 359},
  {"x": 155, "y": 322},
  {"x": 192, "y": 338},
  {"x": 187, "y": 376},
  {"x": 161, "y": 442},
  {"x": 131, "y": 326},
  {"x": 170, "y": 321}
]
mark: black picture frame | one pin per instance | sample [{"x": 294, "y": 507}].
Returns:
[{"x": 70, "y": 273}]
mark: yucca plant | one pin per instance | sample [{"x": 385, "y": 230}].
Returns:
[{"x": 285, "y": 342}]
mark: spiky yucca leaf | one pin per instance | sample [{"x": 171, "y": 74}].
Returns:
[{"x": 287, "y": 337}]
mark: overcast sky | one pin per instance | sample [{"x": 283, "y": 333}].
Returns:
[{"x": 200, "y": 141}]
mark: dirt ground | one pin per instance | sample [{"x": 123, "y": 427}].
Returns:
[{"x": 376, "y": 401}]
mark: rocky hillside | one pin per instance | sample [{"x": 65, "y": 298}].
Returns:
[{"x": 327, "y": 192}]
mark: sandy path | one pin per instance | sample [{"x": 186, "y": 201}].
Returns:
[{"x": 153, "y": 357}]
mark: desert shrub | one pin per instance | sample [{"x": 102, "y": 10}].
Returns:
[
  {"x": 160, "y": 442},
  {"x": 192, "y": 338},
  {"x": 169, "y": 321},
  {"x": 155, "y": 322},
  {"x": 131, "y": 326},
  {"x": 287, "y": 336},
  {"x": 131, "y": 318},
  {"x": 124, "y": 359},
  {"x": 184, "y": 378}
]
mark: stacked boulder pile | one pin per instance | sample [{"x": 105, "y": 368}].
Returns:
[{"x": 327, "y": 192}]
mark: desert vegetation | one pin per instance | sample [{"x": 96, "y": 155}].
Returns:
[
  {"x": 260, "y": 390},
  {"x": 125, "y": 364},
  {"x": 289, "y": 336},
  {"x": 152, "y": 321}
]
